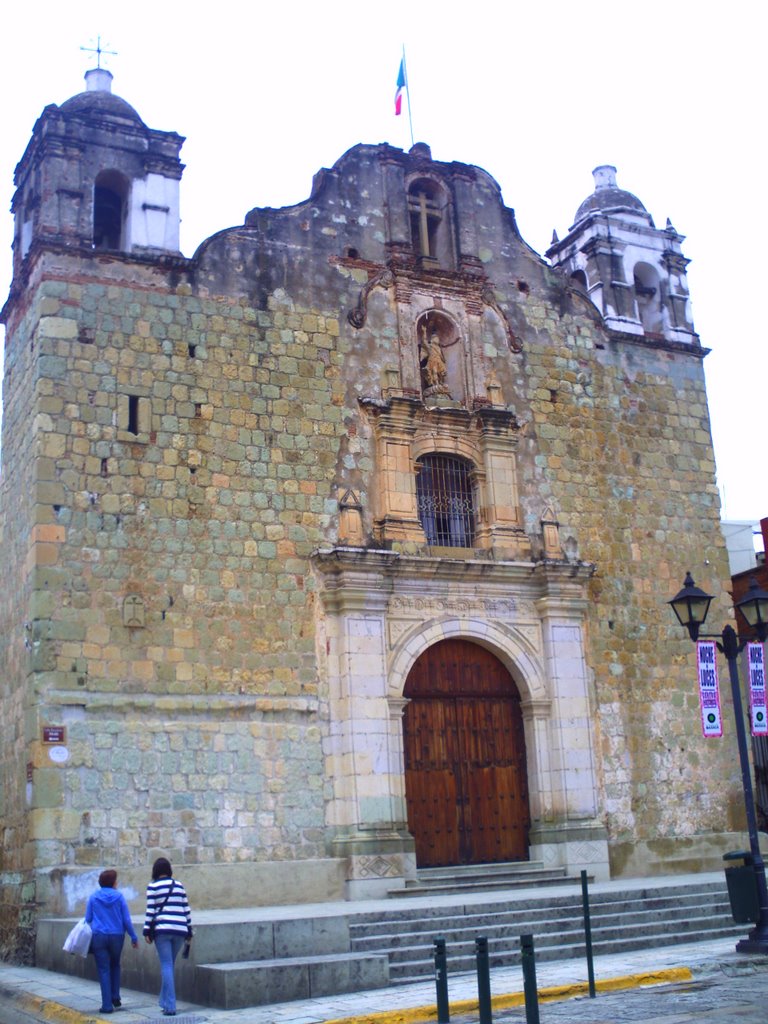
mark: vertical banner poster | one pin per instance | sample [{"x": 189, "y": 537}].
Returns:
[
  {"x": 709, "y": 691},
  {"x": 757, "y": 709}
]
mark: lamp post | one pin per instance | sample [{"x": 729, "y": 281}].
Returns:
[{"x": 690, "y": 606}]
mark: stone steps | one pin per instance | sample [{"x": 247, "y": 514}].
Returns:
[
  {"x": 541, "y": 916},
  {"x": 231, "y": 986},
  {"x": 509, "y": 932},
  {"x": 485, "y": 878},
  {"x": 257, "y": 956},
  {"x": 408, "y": 973},
  {"x": 649, "y": 917}
]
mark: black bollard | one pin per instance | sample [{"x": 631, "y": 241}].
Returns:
[
  {"x": 529, "y": 980},
  {"x": 483, "y": 980},
  {"x": 441, "y": 982},
  {"x": 588, "y": 934}
]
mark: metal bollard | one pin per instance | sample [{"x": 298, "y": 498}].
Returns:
[
  {"x": 529, "y": 980},
  {"x": 441, "y": 982},
  {"x": 588, "y": 934},
  {"x": 483, "y": 980}
]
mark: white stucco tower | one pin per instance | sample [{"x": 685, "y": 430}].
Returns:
[{"x": 633, "y": 272}]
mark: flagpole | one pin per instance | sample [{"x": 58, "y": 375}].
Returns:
[{"x": 408, "y": 94}]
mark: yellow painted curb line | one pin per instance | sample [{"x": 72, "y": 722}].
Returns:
[
  {"x": 48, "y": 1010},
  {"x": 58, "y": 1014},
  {"x": 546, "y": 995}
]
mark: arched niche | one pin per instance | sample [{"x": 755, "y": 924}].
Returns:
[
  {"x": 441, "y": 356},
  {"x": 428, "y": 212},
  {"x": 579, "y": 280}
]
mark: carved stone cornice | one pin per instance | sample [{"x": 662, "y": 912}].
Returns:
[
  {"x": 537, "y": 579},
  {"x": 537, "y": 707},
  {"x": 407, "y": 275},
  {"x": 562, "y": 587}
]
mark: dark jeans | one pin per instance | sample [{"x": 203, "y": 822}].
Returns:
[{"x": 106, "y": 951}]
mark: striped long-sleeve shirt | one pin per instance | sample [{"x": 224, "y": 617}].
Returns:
[{"x": 172, "y": 919}]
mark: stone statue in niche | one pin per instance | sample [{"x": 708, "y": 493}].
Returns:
[{"x": 432, "y": 362}]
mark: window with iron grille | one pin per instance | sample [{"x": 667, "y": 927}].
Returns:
[{"x": 445, "y": 499}]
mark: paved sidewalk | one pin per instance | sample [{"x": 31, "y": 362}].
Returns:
[{"x": 59, "y": 999}]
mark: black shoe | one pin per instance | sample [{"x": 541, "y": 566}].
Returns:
[
  {"x": 117, "y": 1003},
  {"x": 169, "y": 1013}
]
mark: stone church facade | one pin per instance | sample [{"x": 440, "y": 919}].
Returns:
[{"x": 342, "y": 547}]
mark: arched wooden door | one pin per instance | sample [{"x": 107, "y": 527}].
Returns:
[{"x": 465, "y": 770}]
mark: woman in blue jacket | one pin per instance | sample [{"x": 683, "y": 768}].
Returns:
[{"x": 108, "y": 915}]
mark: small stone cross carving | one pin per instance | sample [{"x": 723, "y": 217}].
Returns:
[{"x": 133, "y": 611}]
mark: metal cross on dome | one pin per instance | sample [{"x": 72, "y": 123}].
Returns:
[{"x": 98, "y": 50}]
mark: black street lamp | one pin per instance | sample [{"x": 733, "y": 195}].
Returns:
[{"x": 690, "y": 606}]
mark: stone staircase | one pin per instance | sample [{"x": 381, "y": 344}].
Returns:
[
  {"x": 469, "y": 878},
  {"x": 261, "y": 955},
  {"x": 638, "y": 918}
]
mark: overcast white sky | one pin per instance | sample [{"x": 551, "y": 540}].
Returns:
[{"x": 672, "y": 93}]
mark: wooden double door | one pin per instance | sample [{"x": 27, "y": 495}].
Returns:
[{"x": 465, "y": 767}]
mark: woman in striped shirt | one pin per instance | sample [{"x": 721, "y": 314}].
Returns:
[{"x": 168, "y": 923}]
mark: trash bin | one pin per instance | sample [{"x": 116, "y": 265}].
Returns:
[{"x": 742, "y": 887}]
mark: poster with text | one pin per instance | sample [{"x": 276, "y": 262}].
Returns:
[
  {"x": 709, "y": 690},
  {"x": 757, "y": 709}
]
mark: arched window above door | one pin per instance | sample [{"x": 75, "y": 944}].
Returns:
[{"x": 445, "y": 498}]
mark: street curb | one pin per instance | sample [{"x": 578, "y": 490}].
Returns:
[
  {"x": 417, "y": 1014},
  {"x": 56, "y": 1013},
  {"x": 47, "y": 1009}
]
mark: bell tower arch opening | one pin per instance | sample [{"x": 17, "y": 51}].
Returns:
[
  {"x": 648, "y": 298},
  {"x": 110, "y": 204}
]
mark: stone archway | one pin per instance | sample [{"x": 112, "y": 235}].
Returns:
[{"x": 465, "y": 761}]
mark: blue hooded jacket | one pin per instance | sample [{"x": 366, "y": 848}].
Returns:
[{"x": 107, "y": 912}]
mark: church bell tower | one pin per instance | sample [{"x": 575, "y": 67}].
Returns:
[
  {"x": 95, "y": 177},
  {"x": 633, "y": 272}
]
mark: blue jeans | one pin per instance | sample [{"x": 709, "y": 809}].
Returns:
[
  {"x": 168, "y": 947},
  {"x": 106, "y": 949}
]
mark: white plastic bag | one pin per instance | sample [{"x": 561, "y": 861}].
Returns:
[{"x": 79, "y": 939}]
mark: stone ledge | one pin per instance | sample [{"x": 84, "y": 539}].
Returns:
[
  {"x": 182, "y": 702},
  {"x": 259, "y": 982}
]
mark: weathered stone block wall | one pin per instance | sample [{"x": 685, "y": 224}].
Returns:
[
  {"x": 194, "y": 711},
  {"x": 619, "y": 438},
  {"x": 19, "y": 489},
  {"x": 207, "y": 519}
]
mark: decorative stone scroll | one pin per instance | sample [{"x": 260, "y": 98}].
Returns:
[
  {"x": 490, "y": 300},
  {"x": 357, "y": 316}
]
